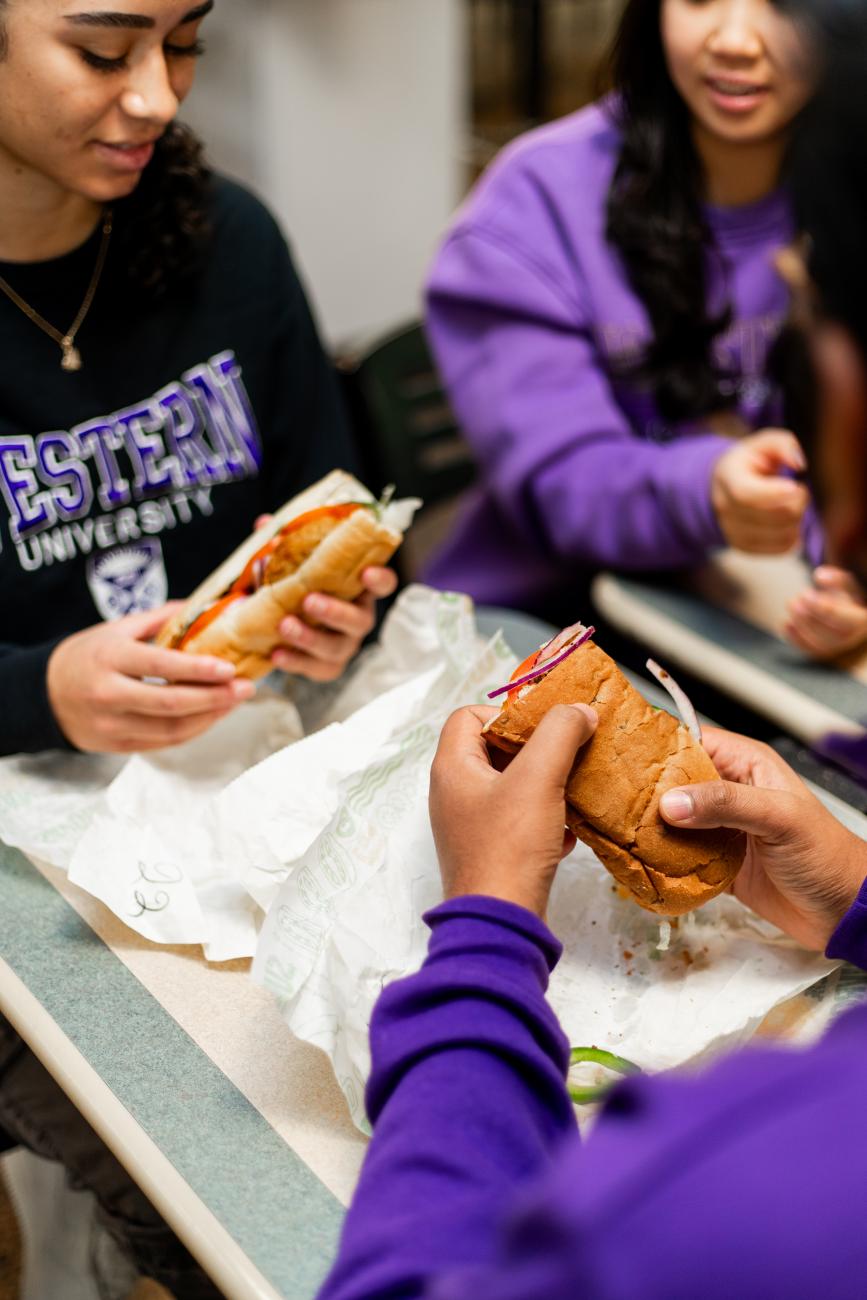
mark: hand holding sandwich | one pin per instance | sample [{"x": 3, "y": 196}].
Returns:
[
  {"x": 503, "y": 834},
  {"x": 321, "y": 648},
  {"x": 103, "y": 704},
  {"x": 97, "y": 679},
  {"x": 802, "y": 869}
]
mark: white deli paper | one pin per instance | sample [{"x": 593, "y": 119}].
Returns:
[
  {"x": 346, "y": 920},
  {"x": 329, "y": 833},
  {"x": 135, "y": 832},
  {"x": 186, "y": 845}
]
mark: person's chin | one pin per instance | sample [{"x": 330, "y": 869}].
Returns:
[
  {"x": 109, "y": 189},
  {"x": 753, "y": 129}
]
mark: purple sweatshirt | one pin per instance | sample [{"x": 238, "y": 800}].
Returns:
[
  {"x": 531, "y": 318},
  {"x": 747, "y": 1181}
]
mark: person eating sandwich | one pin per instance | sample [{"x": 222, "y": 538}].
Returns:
[
  {"x": 746, "y": 1179},
  {"x": 162, "y": 386}
]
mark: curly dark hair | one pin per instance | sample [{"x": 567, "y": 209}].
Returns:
[
  {"x": 163, "y": 227},
  {"x": 656, "y": 222}
]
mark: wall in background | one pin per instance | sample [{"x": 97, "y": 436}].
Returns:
[{"x": 347, "y": 116}]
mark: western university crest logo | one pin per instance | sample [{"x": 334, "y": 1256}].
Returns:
[{"x": 129, "y": 580}]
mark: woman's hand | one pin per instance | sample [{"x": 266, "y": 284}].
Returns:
[
  {"x": 802, "y": 869},
  {"x": 829, "y": 619},
  {"x": 503, "y": 833},
  {"x": 103, "y": 704},
  {"x": 321, "y": 652},
  {"x": 760, "y": 510}
]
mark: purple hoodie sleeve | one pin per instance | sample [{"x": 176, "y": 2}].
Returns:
[
  {"x": 516, "y": 348},
  {"x": 476, "y": 1184},
  {"x": 849, "y": 940}
]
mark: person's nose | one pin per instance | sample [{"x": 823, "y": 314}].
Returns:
[
  {"x": 737, "y": 34},
  {"x": 148, "y": 94}
]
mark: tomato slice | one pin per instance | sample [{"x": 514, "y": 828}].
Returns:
[
  {"x": 244, "y": 585},
  {"x": 204, "y": 620},
  {"x": 246, "y": 582},
  {"x": 521, "y": 671}
]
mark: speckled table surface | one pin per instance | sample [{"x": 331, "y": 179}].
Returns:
[
  {"x": 201, "y": 1063},
  {"x": 244, "y": 1171},
  {"x": 737, "y": 649},
  {"x": 197, "y": 1060}
]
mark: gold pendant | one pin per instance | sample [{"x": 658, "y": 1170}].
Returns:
[{"x": 71, "y": 359}]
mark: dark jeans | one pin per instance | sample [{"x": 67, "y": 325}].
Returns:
[{"x": 35, "y": 1112}]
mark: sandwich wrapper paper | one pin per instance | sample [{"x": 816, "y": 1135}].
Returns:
[{"x": 312, "y": 813}]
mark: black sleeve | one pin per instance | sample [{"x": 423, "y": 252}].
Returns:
[
  {"x": 308, "y": 432},
  {"x": 28, "y": 723}
]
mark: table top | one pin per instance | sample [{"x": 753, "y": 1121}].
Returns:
[
  {"x": 723, "y": 627},
  {"x": 236, "y": 1130}
]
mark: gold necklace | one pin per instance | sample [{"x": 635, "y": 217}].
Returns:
[{"x": 71, "y": 357}]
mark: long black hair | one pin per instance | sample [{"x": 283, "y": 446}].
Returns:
[
  {"x": 656, "y": 220},
  {"x": 828, "y": 164},
  {"x": 656, "y": 223}
]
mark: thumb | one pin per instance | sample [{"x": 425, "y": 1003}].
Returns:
[
  {"x": 767, "y": 814},
  {"x": 549, "y": 754},
  {"x": 828, "y": 578},
  {"x": 776, "y": 449},
  {"x": 147, "y": 624}
]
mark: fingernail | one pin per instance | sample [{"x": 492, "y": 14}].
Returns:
[
  {"x": 315, "y": 605},
  {"x": 243, "y": 689},
  {"x": 292, "y": 629},
  {"x": 589, "y": 713},
  {"x": 222, "y": 670},
  {"x": 678, "y": 805}
]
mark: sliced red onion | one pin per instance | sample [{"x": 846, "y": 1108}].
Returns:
[
  {"x": 541, "y": 669},
  {"x": 259, "y": 571},
  {"x": 678, "y": 694},
  {"x": 554, "y": 645}
]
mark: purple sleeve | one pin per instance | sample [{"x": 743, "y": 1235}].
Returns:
[
  {"x": 849, "y": 940},
  {"x": 476, "y": 1185},
  {"x": 518, "y": 356},
  {"x": 466, "y": 1098}
]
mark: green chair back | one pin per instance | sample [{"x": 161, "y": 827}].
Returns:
[{"x": 406, "y": 431}]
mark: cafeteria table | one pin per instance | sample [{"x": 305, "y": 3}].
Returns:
[
  {"x": 722, "y": 626},
  {"x": 236, "y": 1130}
]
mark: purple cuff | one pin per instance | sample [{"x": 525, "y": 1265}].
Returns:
[
  {"x": 483, "y": 982},
  {"x": 849, "y": 940},
  {"x": 689, "y": 472},
  {"x": 480, "y": 907}
]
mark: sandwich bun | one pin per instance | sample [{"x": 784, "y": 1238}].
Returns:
[
  {"x": 339, "y": 532},
  {"x": 612, "y": 797}
]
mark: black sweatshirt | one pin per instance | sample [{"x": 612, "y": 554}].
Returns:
[{"x": 124, "y": 484}]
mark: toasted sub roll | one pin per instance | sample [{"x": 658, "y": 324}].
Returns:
[
  {"x": 619, "y": 777},
  {"x": 322, "y": 540}
]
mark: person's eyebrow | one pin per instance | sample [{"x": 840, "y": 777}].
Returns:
[
  {"x": 195, "y": 14},
  {"x": 139, "y": 22},
  {"x": 108, "y": 19}
]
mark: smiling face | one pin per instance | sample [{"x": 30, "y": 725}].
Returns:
[
  {"x": 85, "y": 92},
  {"x": 741, "y": 66}
]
